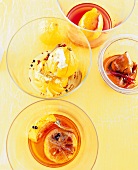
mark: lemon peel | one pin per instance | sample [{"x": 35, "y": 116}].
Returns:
[
  {"x": 92, "y": 20},
  {"x": 40, "y": 126}
]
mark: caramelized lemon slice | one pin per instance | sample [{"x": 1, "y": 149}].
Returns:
[
  {"x": 92, "y": 20},
  {"x": 40, "y": 126},
  {"x": 60, "y": 146}
]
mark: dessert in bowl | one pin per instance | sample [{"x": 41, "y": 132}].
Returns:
[
  {"x": 44, "y": 61},
  {"x": 118, "y": 63},
  {"x": 98, "y": 19},
  {"x": 52, "y": 134}
]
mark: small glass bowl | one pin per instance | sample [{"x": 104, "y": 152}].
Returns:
[
  {"x": 116, "y": 13},
  {"x": 37, "y": 37},
  {"x": 18, "y": 151},
  {"x": 119, "y": 45}
]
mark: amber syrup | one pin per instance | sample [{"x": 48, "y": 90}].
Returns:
[
  {"x": 37, "y": 149},
  {"x": 76, "y": 13}
]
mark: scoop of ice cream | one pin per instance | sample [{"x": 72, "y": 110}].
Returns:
[
  {"x": 55, "y": 73},
  {"x": 62, "y": 62},
  {"x": 92, "y": 20}
]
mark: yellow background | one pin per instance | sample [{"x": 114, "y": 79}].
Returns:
[{"x": 114, "y": 115}]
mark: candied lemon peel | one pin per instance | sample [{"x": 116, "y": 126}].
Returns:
[
  {"x": 39, "y": 127},
  {"x": 92, "y": 20}
]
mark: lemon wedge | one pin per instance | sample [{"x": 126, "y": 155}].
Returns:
[
  {"x": 40, "y": 126},
  {"x": 92, "y": 20}
]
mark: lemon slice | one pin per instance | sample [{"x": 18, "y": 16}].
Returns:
[
  {"x": 40, "y": 126},
  {"x": 60, "y": 146},
  {"x": 92, "y": 20}
]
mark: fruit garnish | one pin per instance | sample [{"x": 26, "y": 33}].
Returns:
[
  {"x": 40, "y": 126},
  {"x": 121, "y": 70},
  {"x": 92, "y": 20},
  {"x": 123, "y": 64},
  {"x": 60, "y": 145}
]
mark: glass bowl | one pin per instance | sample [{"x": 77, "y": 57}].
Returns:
[
  {"x": 114, "y": 13},
  {"x": 38, "y": 39},
  {"x": 18, "y": 152},
  {"x": 119, "y": 45}
]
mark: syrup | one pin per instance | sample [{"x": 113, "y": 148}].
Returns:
[
  {"x": 76, "y": 13},
  {"x": 37, "y": 149}
]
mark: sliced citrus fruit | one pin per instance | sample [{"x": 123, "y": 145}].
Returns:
[
  {"x": 40, "y": 126},
  {"x": 92, "y": 20},
  {"x": 60, "y": 146}
]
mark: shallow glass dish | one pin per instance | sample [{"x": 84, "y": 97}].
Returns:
[
  {"x": 119, "y": 45},
  {"x": 36, "y": 38},
  {"x": 18, "y": 151}
]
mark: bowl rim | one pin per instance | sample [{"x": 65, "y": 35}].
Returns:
[
  {"x": 66, "y": 94},
  {"x": 45, "y": 101},
  {"x": 104, "y": 47},
  {"x": 103, "y": 31}
]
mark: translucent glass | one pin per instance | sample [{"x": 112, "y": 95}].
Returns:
[
  {"x": 18, "y": 151},
  {"x": 38, "y": 36},
  {"x": 119, "y": 45},
  {"x": 118, "y": 10}
]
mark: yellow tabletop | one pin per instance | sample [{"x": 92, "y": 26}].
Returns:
[{"x": 114, "y": 115}]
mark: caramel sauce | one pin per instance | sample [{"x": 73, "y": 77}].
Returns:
[
  {"x": 37, "y": 149},
  {"x": 120, "y": 79}
]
